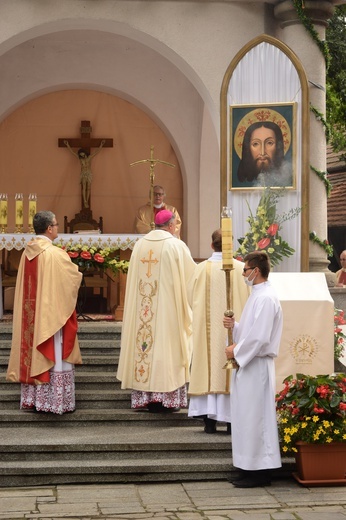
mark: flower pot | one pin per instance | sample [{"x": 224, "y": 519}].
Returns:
[{"x": 319, "y": 464}]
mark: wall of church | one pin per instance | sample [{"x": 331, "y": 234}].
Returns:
[
  {"x": 31, "y": 160},
  {"x": 167, "y": 58}
]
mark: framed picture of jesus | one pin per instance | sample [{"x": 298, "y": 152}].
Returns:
[{"x": 263, "y": 146}]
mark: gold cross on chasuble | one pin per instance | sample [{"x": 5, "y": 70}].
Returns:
[{"x": 149, "y": 261}]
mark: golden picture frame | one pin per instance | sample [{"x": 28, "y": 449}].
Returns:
[{"x": 262, "y": 146}]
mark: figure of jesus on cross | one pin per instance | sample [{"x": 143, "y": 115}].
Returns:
[{"x": 84, "y": 157}]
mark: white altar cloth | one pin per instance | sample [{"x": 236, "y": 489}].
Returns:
[
  {"x": 18, "y": 241},
  {"x": 307, "y": 343}
]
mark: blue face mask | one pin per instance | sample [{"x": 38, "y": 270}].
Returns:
[{"x": 248, "y": 282}]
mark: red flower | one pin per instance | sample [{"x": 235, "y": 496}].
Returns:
[
  {"x": 99, "y": 258},
  {"x": 272, "y": 230},
  {"x": 73, "y": 254},
  {"x": 263, "y": 243},
  {"x": 86, "y": 255},
  {"x": 342, "y": 406}
]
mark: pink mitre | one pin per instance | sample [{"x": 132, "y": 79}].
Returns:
[{"x": 163, "y": 216}]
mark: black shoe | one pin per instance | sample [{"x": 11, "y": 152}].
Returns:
[
  {"x": 238, "y": 475},
  {"x": 251, "y": 482},
  {"x": 229, "y": 429},
  {"x": 252, "y": 479},
  {"x": 210, "y": 425},
  {"x": 170, "y": 410},
  {"x": 155, "y": 407}
]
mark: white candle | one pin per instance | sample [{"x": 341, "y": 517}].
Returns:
[
  {"x": 3, "y": 209},
  {"x": 32, "y": 208},
  {"x": 19, "y": 209},
  {"x": 227, "y": 246}
]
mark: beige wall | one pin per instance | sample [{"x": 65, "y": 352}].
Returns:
[{"x": 31, "y": 160}]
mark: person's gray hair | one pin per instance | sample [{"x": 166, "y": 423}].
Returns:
[{"x": 42, "y": 220}]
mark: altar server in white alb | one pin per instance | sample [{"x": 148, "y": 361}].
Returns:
[
  {"x": 255, "y": 441},
  {"x": 209, "y": 387},
  {"x": 156, "y": 342}
]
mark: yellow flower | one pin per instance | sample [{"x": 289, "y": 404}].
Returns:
[
  {"x": 315, "y": 418},
  {"x": 304, "y": 425},
  {"x": 284, "y": 448}
]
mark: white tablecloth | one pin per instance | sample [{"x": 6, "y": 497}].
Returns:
[{"x": 18, "y": 241}]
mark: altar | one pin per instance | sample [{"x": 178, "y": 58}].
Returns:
[{"x": 122, "y": 242}]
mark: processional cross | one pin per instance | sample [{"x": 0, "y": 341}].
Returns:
[
  {"x": 152, "y": 162},
  {"x": 85, "y": 142}
]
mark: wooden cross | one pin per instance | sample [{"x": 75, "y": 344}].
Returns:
[
  {"x": 85, "y": 142},
  {"x": 149, "y": 261}
]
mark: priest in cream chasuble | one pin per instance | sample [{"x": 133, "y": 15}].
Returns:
[{"x": 156, "y": 342}]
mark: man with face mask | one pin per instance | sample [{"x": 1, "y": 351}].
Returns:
[{"x": 255, "y": 442}]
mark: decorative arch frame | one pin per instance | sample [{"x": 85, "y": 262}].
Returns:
[{"x": 302, "y": 158}]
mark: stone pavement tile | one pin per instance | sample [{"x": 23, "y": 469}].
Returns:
[
  {"x": 283, "y": 515},
  {"x": 320, "y": 516},
  {"x": 66, "y": 510},
  {"x": 162, "y": 497},
  {"x": 107, "y": 508},
  {"x": 96, "y": 492},
  {"x": 27, "y": 492},
  {"x": 11, "y": 516},
  {"x": 311, "y": 499},
  {"x": 20, "y": 504},
  {"x": 189, "y": 516}
]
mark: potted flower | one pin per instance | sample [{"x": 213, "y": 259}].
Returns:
[{"x": 311, "y": 414}]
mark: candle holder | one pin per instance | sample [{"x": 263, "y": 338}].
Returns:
[
  {"x": 19, "y": 212},
  {"x": 3, "y": 212},
  {"x": 32, "y": 211}
]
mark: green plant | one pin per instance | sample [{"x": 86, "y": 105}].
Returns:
[
  {"x": 91, "y": 257},
  {"x": 339, "y": 336},
  {"x": 264, "y": 229},
  {"x": 311, "y": 409},
  {"x": 322, "y": 243}
]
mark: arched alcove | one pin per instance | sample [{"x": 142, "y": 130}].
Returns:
[{"x": 267, "y": 73}]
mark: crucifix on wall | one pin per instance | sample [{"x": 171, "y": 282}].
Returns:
[{"x": 85, "y": 142}]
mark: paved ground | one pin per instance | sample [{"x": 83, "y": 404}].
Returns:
[{"x": 283, "y": 500}]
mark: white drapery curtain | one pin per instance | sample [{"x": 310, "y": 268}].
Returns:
[{"x": 266, "y": 75}]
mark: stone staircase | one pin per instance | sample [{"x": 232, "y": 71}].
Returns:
[{"x": 103, "y": 440}]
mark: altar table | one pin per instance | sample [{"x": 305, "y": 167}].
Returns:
[{"x": 123, "y": 242}]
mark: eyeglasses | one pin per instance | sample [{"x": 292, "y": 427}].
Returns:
[
  {"x": 248, "y": 269},
  {"x": 52, "y": 225},
  {"x": 159, "y": 194}
]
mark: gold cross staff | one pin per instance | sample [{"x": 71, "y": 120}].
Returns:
[
  {"x": 149, "y": 261},
  {"x": 152, "y": 162}
]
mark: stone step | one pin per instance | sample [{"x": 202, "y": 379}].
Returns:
[
  {"x": 116, "y": 453},
  {"x": 91, "y": 416},
  {"x": 85, "y": 398},
  {"x": 91, "y": 362}
]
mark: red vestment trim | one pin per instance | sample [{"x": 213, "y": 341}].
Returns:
[{"x": 27, "y": 333}]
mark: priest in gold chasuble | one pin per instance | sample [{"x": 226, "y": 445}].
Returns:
[
  {"x": 45, "y": 346},
  {"x": 156, "y": 344},
  {"x": 209, "y": 387}
]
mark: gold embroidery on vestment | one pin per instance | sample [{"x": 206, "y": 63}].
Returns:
[{"x": 144, "y": 337}]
